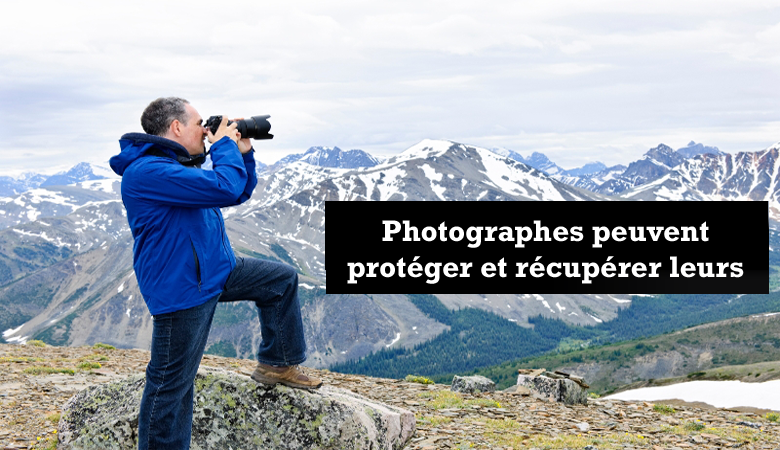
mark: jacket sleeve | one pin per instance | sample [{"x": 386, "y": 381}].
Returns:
[
  {"x": 165, "y": 181},
  {"x": 251, "y": 182}
]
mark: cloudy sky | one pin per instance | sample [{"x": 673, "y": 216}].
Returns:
[{"x": 577, "y": 80}]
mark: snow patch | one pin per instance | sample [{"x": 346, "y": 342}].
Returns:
[
  {"x": 397, "y": 337},
  {"x": 617, "y": 300},
  {"x": 721, "y": 394},
  {"x": 12, "y": 331},
  {"x": 594, "y": 318},
  {"x": 18, "y": 340},
  {"x": 106, "y": 185}
]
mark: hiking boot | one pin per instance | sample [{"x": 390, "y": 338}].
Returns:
[{"x": 292, "y": 376}]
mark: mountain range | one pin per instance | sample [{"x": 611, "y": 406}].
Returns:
[
  {"x": 10, "y": 186},
  {"x": 66, "y": 251}
]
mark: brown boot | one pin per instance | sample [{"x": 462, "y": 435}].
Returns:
[{"x": 292, "y": 376}]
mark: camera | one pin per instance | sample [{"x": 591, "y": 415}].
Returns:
[{"x": 256, "y": 127}]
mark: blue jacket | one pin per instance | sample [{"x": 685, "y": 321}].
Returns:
[{"x": 181, "y": 255}]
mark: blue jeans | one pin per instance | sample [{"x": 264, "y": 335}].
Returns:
[{"x": 179, "y": 338}]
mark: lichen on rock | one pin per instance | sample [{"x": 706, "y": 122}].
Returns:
[
  {"x": 561, "y": 390},
  {"x": 473, "y": 384},
  {"x": 232, "y": 411}
]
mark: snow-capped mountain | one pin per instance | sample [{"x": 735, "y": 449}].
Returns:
[
  {"x": 541, "y": 162},
  {"x": 80, "y": 172},
  {"x": 15, "y": 185},
  {"x": 508, "y": 153},
  {"x": 69, "y": 280},
  {"x": 593, "y": 181},
  {"x": 744, "y": 176},
  {"x": 10, "y": 186},
  {"x": 330, "y": 157},
  {"x": 55, "y": 200},
  {"x": 654, "y": 164},
  {"x": 537, "y": 160},
  {"x": 76, "y": 269}
]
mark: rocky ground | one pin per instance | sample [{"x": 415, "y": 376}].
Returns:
[{"x": 36, "y": 381}]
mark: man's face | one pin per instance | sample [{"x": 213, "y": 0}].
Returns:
[{"x": 193, "y": 132}]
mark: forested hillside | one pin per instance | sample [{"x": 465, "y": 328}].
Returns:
[
  {"x": 687, "y": 353},
  {"x": 476, "y": 338},
  {"x": 479, "y": 339}
]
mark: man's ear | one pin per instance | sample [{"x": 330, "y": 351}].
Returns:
[{"x": 175, "y": 128}]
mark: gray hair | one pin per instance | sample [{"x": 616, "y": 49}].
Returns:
[{"x": 158, "y": 116}]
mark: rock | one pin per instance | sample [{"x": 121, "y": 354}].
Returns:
[
  {"x": 471, "y": 385},
  {"x": 518, "y": 390},
  {"x": 232, "y": 411},
  {"x": 560, "y": 390},
  {"x": 749, "y": 424}
]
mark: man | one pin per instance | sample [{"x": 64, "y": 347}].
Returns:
[{"x": 185, "y": 265}]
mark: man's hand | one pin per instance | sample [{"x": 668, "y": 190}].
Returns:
[
  {"x": 244, "y": 145},
  {"x": 224, "y": 130}
]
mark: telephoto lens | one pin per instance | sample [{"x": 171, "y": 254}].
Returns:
[{"x": 256, "y": 127}]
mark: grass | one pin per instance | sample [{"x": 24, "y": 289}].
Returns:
[
  {"x": 103, "y": 346},
  {"x": 41, "y": 370},
  {"x": 55, "y": 417},
  {"x": 17, "y": 359},
  {"x": 580, "y": 441},
  {"x": 36, "y": 343},
  {"x": 432, "y": 421},
  {"x": 772, "y": 417},
  {"x": 663, "y": 409},
  {"x": 418, "y": 379},
  {"x": 509, "y": 433},
  {"x": 49, "y": 443},
  {"x": 740, "y": 434},
  {"x": 696, "y": 425},
  {"x": 449, "y": 399},
  {"x": 87, "y": 365}
]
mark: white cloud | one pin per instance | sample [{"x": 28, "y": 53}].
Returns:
[{"x": 576, "y": 79}]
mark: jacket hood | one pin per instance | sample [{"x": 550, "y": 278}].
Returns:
[{"x": 136, "y": 145}]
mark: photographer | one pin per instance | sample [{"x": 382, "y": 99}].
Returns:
[{"x": 185, "y": 265}]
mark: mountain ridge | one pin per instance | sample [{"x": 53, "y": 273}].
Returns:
[{"x": 284, "y": 220}]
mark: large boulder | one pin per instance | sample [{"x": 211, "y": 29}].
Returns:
[
  {"x": 554, "y": 389},
  {"x": 472, "y": 385},
  {"x": 233, "y": 412}
]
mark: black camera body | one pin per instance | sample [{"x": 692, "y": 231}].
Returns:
[{"x": 256, "y": 127}]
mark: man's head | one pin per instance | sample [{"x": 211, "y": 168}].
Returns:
[{"x": 175, "y": 119}]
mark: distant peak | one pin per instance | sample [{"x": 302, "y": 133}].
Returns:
[
  {"x": 660, "y": 148},
  {"x": 539, "y": 156},
  {"x": 587, "y": 169},
  {"x": 330, "y": 157},
  {"x": 426, "y": 147},
  {"x": 693, "y": 149},
  {"x": 431, "y": 145}
]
